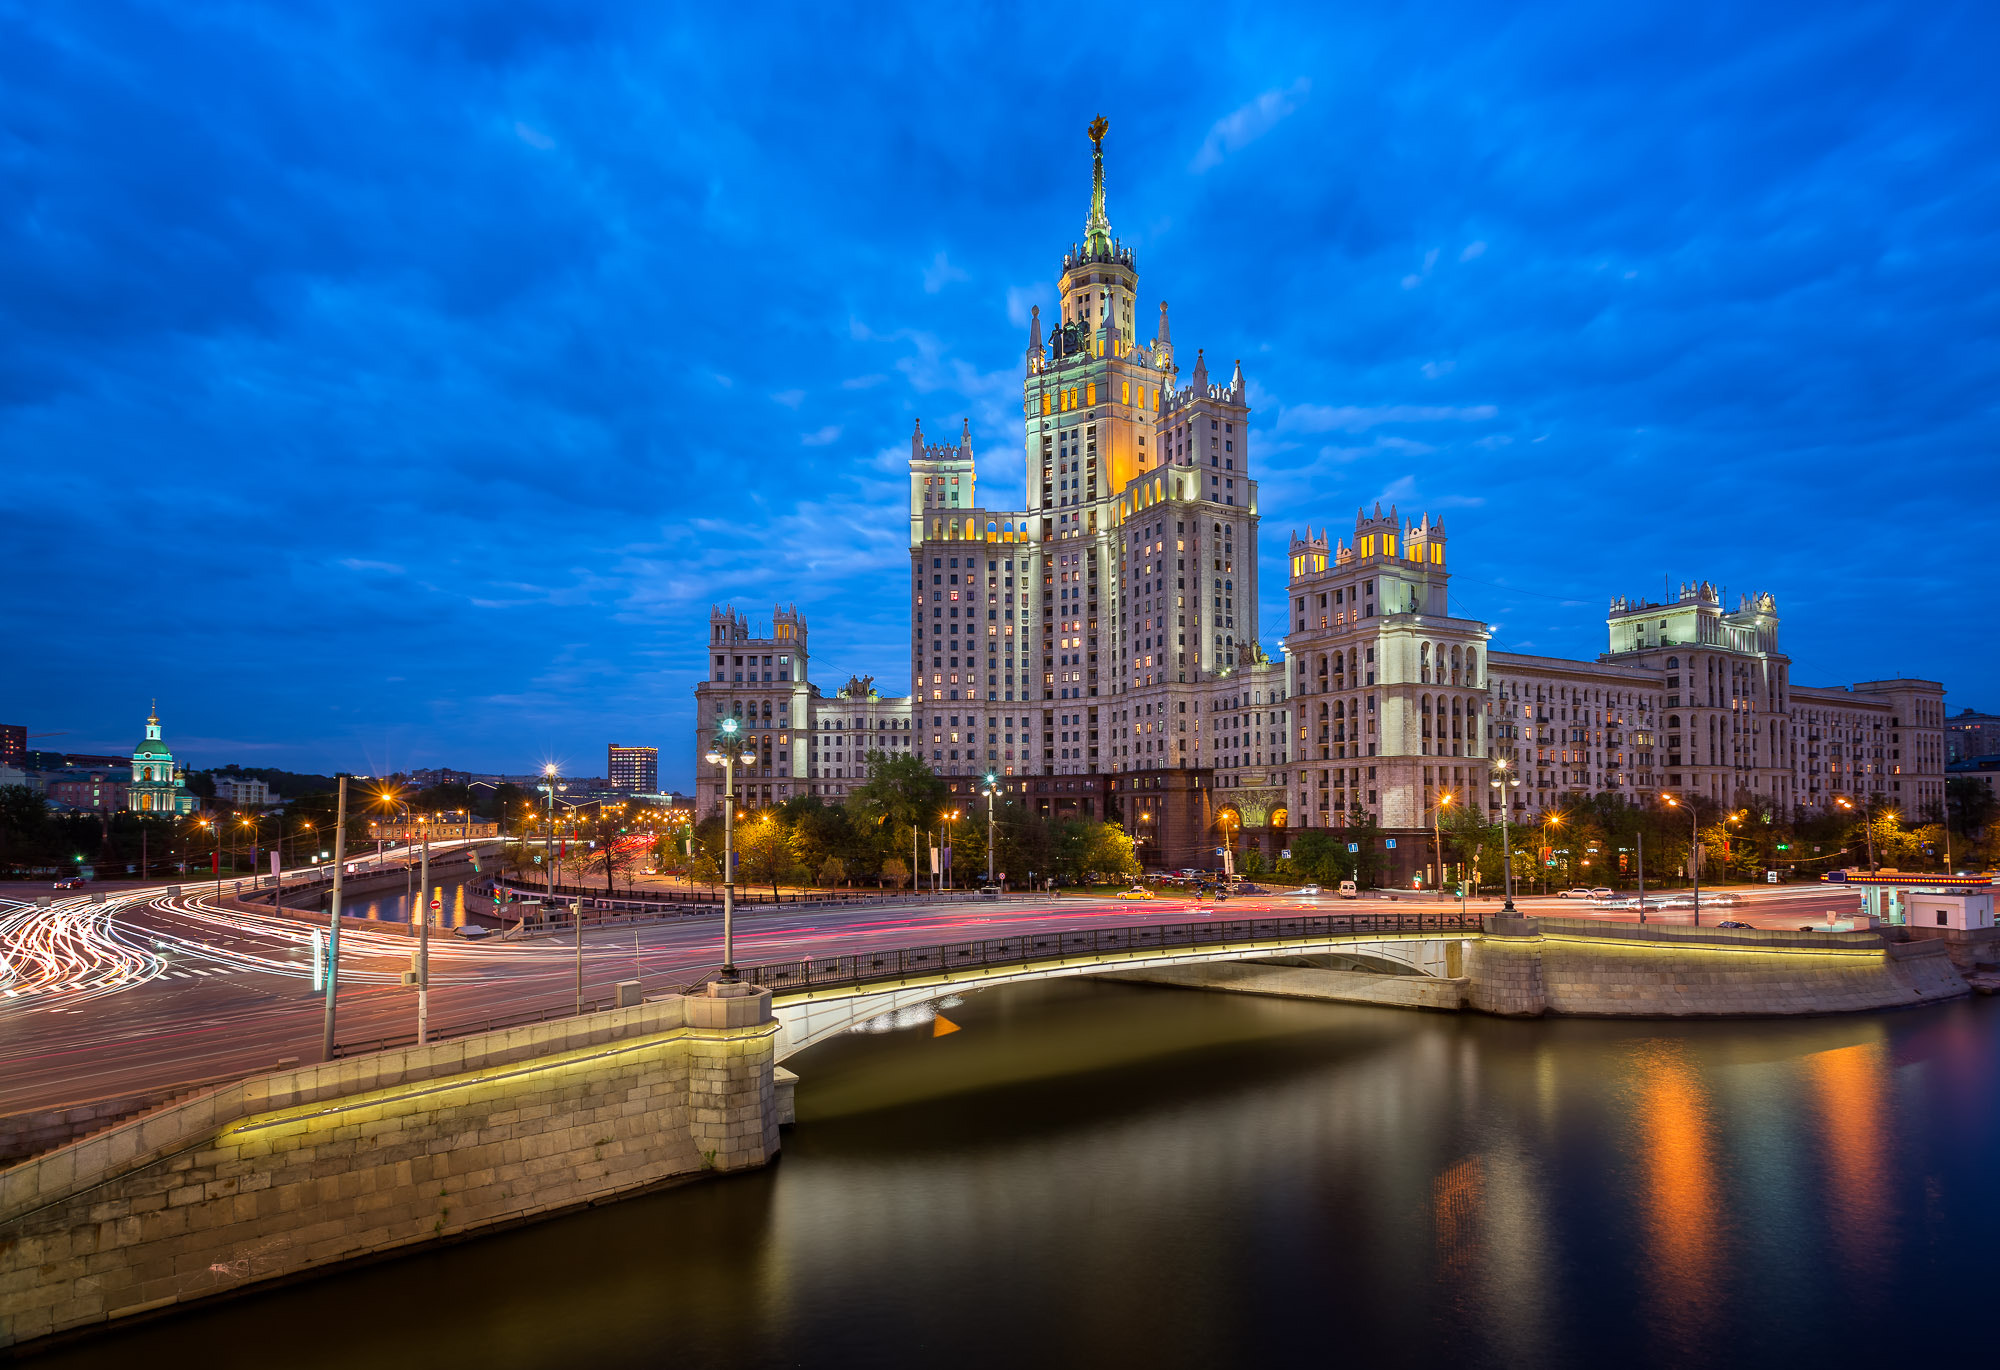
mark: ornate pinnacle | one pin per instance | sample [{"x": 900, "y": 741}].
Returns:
[{"x": 1097, "y": 230}]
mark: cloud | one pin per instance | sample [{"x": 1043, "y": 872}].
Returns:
[
  {"x": 863, "y": 382},
  {"x": 1472, "y": 250},
  {"x": 1322, "y": 418},
  {"x": 1021, "y": 299},
  {"x": 941, "y": 273},
  {"x": 533, "y": 137},
  {"x": 791, "y": 399},
  {"x": 1245, "y": 125},
  {"x": 820, "y": 437},
  {"x": 386, "y": 567}
]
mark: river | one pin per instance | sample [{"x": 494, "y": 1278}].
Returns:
[{"x": 1112, "y": 1175}]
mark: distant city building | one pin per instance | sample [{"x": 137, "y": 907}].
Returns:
[
  {"x": 99, "y": 791},
  {"x": 1968, "y": 734},
  {"x": 242, "y": 791},
  {"x": 633, "y": 769},
  {"x": 13, "y": 744},
  {"x": 157, "y": 785},
  {"x": 1985, "y": 770}
]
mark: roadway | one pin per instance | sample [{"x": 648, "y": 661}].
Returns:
[{"x": 151, "y": 989}]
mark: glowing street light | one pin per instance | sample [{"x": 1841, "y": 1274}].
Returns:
[
  {"x": 1694, "y": 852},
  {"x": 726, "y": 749},
  {"x": 1506, "y": 782}
]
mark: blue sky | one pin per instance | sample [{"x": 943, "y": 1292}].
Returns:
[{"x": 399, "y": 385}]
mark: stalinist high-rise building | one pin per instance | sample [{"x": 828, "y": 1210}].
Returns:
[{"x": 1094, "y": 646}]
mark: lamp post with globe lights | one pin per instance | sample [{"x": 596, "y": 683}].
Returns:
[
  {"x": 1506, "y": 782},
  {"x": 726, "y": 749},
  {"x": 992, "y": 788}
]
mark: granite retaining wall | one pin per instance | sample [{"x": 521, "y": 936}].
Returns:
[{"x": 266, "y": 1177}]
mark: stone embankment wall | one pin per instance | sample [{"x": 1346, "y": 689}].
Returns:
[
  {"x": 266, "y": 1177},
  {"x": 1528, "y": 967},
  {"x": 1308, "y": 982}
]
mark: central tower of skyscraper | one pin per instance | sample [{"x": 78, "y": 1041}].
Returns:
[{"x": 1131, "y": 570}]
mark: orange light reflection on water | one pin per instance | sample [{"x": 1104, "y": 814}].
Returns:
[
  {"x": 1679, "y": 1199},
  {"x": 1851, "y": 1086}
]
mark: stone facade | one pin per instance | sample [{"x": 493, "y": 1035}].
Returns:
[{"x": 308, "y": 1167}]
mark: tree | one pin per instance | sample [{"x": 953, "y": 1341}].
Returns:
[
  {"x": 764, "y": 851},
  {"x": 894, "y": 872},
  {"x": 832, "y": 872},
  {"x": 1970, "y": 803},
  {"x": 900, "y": 789}
]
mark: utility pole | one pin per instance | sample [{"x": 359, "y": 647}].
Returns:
[
  {"x": 1642, "y": 875},
  {"x": 423, "y": 912},
  {"x": 576, "y": 908},
  {"x": 333, "y": 923}
]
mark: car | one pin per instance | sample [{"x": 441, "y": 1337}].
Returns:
[
  {"x": 1349, "y": 890},
  {"x": 1732, "y": 924},
  {"x": 68, "y": 882},
  {"x": 473, "y": 930},
  {"x": 1601, "y": 892},
  {"x": 1580, "y": 892},
  {"x": 1722, "y": 900},
  {"x": 1677, "y": 901},
  {"x": 1247, "y": 888},
  {"x": 1309, "y": 891},
  {"x": 1136, "y": 892},
  {"x": 1811, "y": 928},
  {"x": 989, "y": 891}
]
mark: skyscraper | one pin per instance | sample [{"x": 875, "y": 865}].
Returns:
[
  {"x": 634, "y": 769},
  {"x": 1075, "y": 634}
]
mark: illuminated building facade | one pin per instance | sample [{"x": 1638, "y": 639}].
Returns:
[{"x": 1096, "y": 644}]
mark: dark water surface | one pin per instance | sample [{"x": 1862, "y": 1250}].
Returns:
[{"x": 1110, "y": 1175}]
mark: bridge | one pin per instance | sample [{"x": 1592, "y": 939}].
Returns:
[{"x": 821, "y": 997}]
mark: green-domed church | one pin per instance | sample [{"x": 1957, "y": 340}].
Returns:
[{"x": 157, "y": 785}]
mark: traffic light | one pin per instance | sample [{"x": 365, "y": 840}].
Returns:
[{"x": 1784, "y": 846}]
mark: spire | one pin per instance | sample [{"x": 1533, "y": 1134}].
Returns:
[
  {"x": 1035, "y": 338},
  {"x": 965, "y": 436},
  {"x": 1236, "y": 381},
  {"x": 1163, "y": 344},
  {"x": 1097, "y": 228},
  {"x": 1200, "y": 372},
  {"x": 917, "y": 441}
]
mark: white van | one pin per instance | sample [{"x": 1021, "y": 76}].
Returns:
[{"x": 1348, "y": 890}]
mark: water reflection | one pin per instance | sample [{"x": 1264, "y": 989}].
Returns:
[
  {"x": 395, "y": 906},
  {"x": 1108, "y": 1175},
  {"x": 1851, "y": 1087},
  {"x": 1678, "y": 1161}
]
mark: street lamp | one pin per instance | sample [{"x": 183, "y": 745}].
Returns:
[
  {"x": 1694, "y": 852},
  {"x": 1437, "y": 836},
  {"x": 1506, "y": 782},
  {"x": 390, "y": 801},
  {"x": 725, "y": 750},
  {"x": 1867, "y": 823},
  {"x": 992, "y": 788}
]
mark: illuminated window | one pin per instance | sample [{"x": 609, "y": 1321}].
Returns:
[
  {"x": 1388, "y": 544},
  {"x": 1091, "y": 391},
  {"x": 1126, "y": 392}
]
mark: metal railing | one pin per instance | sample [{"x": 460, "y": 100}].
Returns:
[
  {"x": 471, "y": 1028},
  {"x": 822, "y": 972}
]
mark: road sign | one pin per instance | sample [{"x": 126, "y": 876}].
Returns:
[
  {"x": 1285, "y": 855},
  {"x": 1354, "y": 846},
  {"x": 1389, "y": 842},
  {"x": 437, "y": 906}
]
